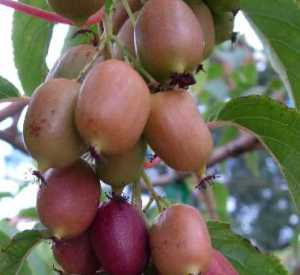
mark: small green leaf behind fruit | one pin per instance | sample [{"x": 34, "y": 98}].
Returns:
[
  {"x": 276, "y": 126},
  {"x": 7, "y": 89},
  {"x": 247, "y": 259}
]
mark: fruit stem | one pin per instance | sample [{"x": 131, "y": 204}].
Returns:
[
  {"x": 88, "y": 66},
  {"x": 129, "y": 12},
  {"x": 148, "y": 205},
  {"x": 134, "y": 61},
  {"x": 160, "y": 202},
  {"x": 136, "y": 195}
]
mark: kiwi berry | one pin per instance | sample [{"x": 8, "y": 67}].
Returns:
[
  {"x": 120, "y": 238},
  {"x": 76, "y": 10},
  {"x": 76, "y": 255},
  {"x": 176, "y": 131},
  {"x": 168, "y": 38},
  {"x": 206, "y": 21},
  {"x": 72, "y": 62},
  {"x": 113, "y": 107},
  {"x": 224, "y": 23},
  {"x": 68, "y": 199},
  {"x": 219, "y": 265},
  {"x": 120, "y": 170},
  {"x": 179, "y": 242},
  {"x": 50, "y": 134},
  {"x": 218, "y": 6}
]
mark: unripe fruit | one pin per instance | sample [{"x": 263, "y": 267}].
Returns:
[
  {"x": 219, "y": 6},
  {"x": 72, "y": 62},
  {"x": 112, "y": 107},
  {"x": 125, "y": 36},
  {"x": 120, "y": 238},
  {"x": 76, "y": 255},
  {"x": 219, "y": 265},
  {"x": 168, "y": 38},
  {"x": 49, "y": 132},
  {"x": 67, "y": 202},
  {"x": 180, "y": 242},
  {"x": 176, "y": 131},
  {"x": 120, "y": 15},
  {"x": 120, "y": 170},
  {"x": 206, "y": 21},
  {"x": 224, "y": 26},
  {"x": 78, "y": 11}
]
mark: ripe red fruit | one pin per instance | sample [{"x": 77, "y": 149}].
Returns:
[
  {"x": 180, "y": 242},
  {"x": 120, "y": 238},
  {"x": 220, "y": 265},
  {"x": 176, "y": 131},
  {"x": 168, "y": 38},
  {"x": 76, "y": 255},
  {"x": 112, "y": 107},
  {"x": 68, "y": 199}
]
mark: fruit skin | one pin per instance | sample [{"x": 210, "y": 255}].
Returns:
[
  {"x": 67, "y": 203},
  {"x": 176, "y": 131},
  {"x": 76, "y": 255},
  {"x": 113, "y": 107},
  {"x": 120, "y": 238},
  {"x": 120, "y": 170},
  {"x": 49, "y": 132},
  {"x": 168, "y": 38},
  {"x": 71, "y": 63},
  {"x": 206, "y": 21},
  {"x": 120, "y": 14},
  {"x": 126, "y": 36},
  {"x": 224, "y": 23},
  {"x": 179, "y": 242},
  {"x": 220, "y": 265},
  {"x": 76, "y": 10},
  {"x": 218, "y": 6}
]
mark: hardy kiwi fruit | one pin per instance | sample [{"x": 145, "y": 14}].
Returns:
[
  {"x": 168, "y": 38},
  {"x": 218, "y": 6},
  {"x": 50, "y": 134},
  {"x": 224, "y": 23},
  {"x": 176, "y": 131}
]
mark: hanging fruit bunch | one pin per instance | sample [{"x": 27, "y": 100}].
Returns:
[{"x": 110, "y": 102}]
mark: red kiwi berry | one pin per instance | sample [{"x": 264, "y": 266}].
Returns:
[
  {"x": 126, "y": 37},
  {"x": 72, "y": 62},
  {"x": 219, "y": 265},
  {"x": 206, "y": 21},
  {"x": 176, "y": 131},
  {"x": 113, "y": 107},
  {"x": 120, "y": 15},
  {"x": 76, "y": 255},
  {"x": 180, "y": 242},
  {"x": 218, "y": 6},
  {"x": 68, "y": 199},
  {"x": 50, "y": 134},
  {"x": 120, "y": 238},
  {"x": 120, "y": 170},
  {"x": 168, "y": 38},
  {"x": 76, "y": 10},
  {"x": 224, "y": 23}
]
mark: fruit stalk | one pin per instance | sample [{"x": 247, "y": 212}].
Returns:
[
  {"x": 134, "y": 61},
  {"x": 129, "y": 12},
  {"x": 136, "y": 195}
]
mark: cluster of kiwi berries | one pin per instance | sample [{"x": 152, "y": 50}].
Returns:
[{"x": 100, "y": 104}]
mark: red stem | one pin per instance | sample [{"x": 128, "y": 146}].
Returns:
[{"x": 45, "y": 15}]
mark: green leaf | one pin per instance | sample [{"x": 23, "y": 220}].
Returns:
[
  {"x": 276, "y": 126},
  {"x": 14, "y": 253},
  {"x": 278, "y": 24},
  {"x": 31, "y": 38},
  {"x": 7, "y": 89},
  {"x": 30, "y": 213},
  {"x": 248, "y": 260}
]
